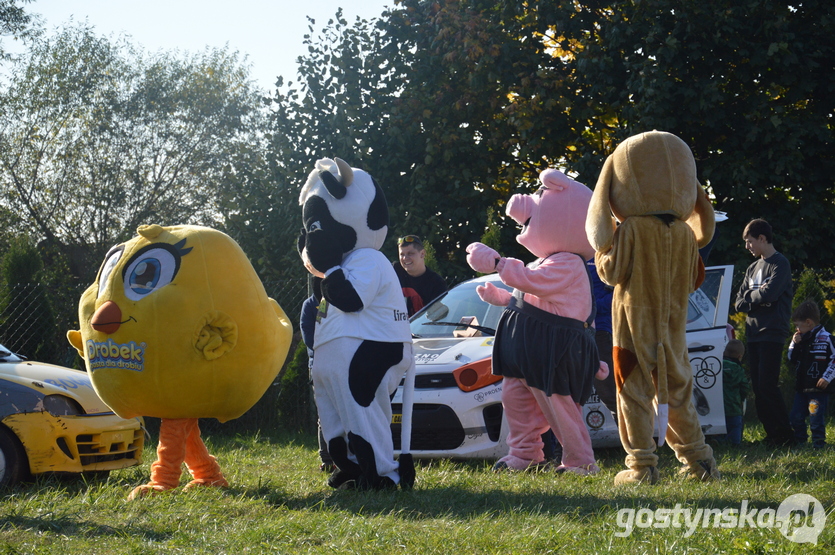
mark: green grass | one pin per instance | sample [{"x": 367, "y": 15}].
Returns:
[{"x": 278, "y": 502}]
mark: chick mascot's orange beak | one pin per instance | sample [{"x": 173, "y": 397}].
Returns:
[{"x": 178, "y": 326}]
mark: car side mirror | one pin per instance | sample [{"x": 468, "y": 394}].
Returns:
[{"x": 437, "y": 311}]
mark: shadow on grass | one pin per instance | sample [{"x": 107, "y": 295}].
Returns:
[
  {"x": 70, "y": 525},
  {"x": 480, "y": 493},
  {"x": 463, "y": 503},
  {"x": 795, "y": 465}
]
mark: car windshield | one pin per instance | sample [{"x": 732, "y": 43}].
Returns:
[
  {"x": 461, "y": 313},
  {"x": 458, "y": 313}
]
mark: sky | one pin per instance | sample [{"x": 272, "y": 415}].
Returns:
[{"x": 269, "y": 32}]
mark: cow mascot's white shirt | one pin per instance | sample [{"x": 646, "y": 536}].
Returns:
[{"x": 362, "y": 341}]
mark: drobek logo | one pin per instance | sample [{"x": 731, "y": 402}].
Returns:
[
  {"x": 109, "y": 354},
  {"x": 802, "y": 517}
]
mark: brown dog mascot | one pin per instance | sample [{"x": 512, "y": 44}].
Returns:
[{"x": 649, "y": 253}]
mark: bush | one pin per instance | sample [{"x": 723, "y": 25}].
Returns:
[
  {"x": 810, "y": 286},
  {"x": 296, "y": 410}
]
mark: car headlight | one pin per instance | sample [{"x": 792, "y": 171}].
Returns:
[
  {"x": 475, "y": 375},
  {"x": 60, "y": 405}
]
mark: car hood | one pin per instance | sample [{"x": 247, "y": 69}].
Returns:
[
  {"x": 452, "y": 351},
  {"x": 49, "y": 379}
]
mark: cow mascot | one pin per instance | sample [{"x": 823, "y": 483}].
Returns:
[
  {"x": 362, "y": 341},
  {"x": 545, "y": 346},
  {"x": 649, "y": 252}
]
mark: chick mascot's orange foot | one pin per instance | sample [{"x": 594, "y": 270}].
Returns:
[
  {"x": 649, "y": 253},
  {"x": 178, "y": 326}
]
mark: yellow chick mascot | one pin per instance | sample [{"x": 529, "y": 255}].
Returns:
[
  {"x": 178, "y": 326},
  {"x": 649, "y": 253}
]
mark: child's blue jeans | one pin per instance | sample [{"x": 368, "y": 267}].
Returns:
[
  {"x": 733, "y": 424},
  {"x": 811, "y": 404}
]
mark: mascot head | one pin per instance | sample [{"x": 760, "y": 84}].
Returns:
[
  {"x": 178, "y": 325},
  {"x": 553, "y": 218},
  {"x": 651, "y": 174},
  {"x": 343, "y": 209}
]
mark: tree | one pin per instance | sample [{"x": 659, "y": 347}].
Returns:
[
  {"x": 449, "y": 140},
  {"x": 319, "y": 117},
  {"x": 747, "y": 85},
  {"x": 97, "y": 138},
  {"x": 393, "y": 98},
  {"x": 15, "y": 22},
  {"x": 462, "y": 102}
]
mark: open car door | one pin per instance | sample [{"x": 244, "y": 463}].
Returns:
[{"x": 707, "y": 335}]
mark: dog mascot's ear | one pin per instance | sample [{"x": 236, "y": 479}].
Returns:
[
  {"x": 703, "y": 219},
  {"x": 600, "y": 224}
]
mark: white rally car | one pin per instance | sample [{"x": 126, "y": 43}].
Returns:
[{"x": 458, "y": 402}]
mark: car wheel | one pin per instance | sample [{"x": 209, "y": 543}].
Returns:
[{"x": 14, "y": 466}]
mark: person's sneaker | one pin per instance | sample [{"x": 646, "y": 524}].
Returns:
[
  {"x": 786, "y": 442},
  {"x": 774, "y": 443}
]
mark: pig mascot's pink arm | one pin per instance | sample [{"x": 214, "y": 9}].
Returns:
[
  {"x": 485, "y": 260},
  {"x": 489, "y": 293}
]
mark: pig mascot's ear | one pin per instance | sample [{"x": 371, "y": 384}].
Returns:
[{"x": 600, "y": 224}]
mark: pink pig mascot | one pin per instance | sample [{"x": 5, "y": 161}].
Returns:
[{"x": 544, "y": 344}]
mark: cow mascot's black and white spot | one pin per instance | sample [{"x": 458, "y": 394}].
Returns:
[{"x": 362, "y": 342}]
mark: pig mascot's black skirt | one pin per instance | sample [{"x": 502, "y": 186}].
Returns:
[{"x": 552, "y": 353}]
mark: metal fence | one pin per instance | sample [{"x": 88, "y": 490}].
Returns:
[
  {"x": 30, "y": 324},
  {"x": 34, "y": 319}
]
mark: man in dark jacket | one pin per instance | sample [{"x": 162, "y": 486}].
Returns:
[
  {"x": 766, "y": 296},
  {"x": 420, "y": 284}
]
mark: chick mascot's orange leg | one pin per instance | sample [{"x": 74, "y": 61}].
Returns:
[
  {"x": 203, "y": 467},
  {"x": 179, "y": 441}
]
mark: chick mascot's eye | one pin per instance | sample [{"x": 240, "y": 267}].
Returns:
[
  {"x": 315, "y": 226},
  {"x": 110, "y": 262},
  {"x": 150, "y": 270}
]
